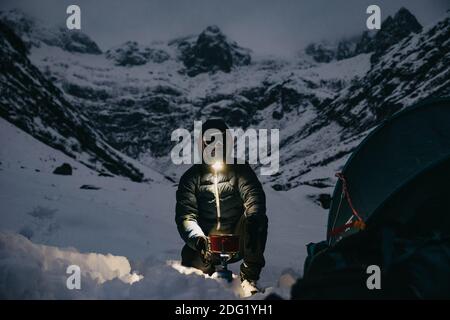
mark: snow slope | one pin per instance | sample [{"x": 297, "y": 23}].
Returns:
[
  {"x": 31, "y": 102},
  {"x": 121, "y": 228}
]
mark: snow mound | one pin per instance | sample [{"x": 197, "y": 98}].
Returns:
[
  {"x": 28, "y": 270},
  {"x": 33, "y": 271}
]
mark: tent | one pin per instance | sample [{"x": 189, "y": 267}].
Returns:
[
  {"x": 396, "y": 174},
  {"x": 390, "y": 209}
]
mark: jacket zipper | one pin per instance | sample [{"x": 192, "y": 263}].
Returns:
[{"x": 216, "y": 195}]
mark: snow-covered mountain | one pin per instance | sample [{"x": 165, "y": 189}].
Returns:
[
  {"x": 33, "y": 33},
  {"x": 136, "y": 94},
  {"x": 393, "y": 29},
  {"x": 411, "y": 70},
  {"x": 414, "y": 68},
  {"x": 211, "y": 51},
  {"x": 34, "y": 104}
]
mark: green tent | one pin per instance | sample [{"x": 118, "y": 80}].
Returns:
[{"x": 397, "y": 173}]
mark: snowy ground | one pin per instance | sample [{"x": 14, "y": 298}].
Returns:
[{"x": 123, "y": 235}]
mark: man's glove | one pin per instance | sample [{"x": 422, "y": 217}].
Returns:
[
  {"x": 201, "y": 245},
  {"x": 201, "y": 242}
]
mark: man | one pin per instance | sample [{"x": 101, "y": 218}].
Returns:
[{"x": 242, "y": 206}]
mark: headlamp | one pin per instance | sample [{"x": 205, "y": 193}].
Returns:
[{"x": 217, "y": 166}]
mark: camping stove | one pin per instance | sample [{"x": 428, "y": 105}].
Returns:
[{"x": 226, "y": 246}]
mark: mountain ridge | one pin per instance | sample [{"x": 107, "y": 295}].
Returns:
[
  {"x": 324, "y": 109},
  {"x": 33, "y": 104},
  {"x": 393, "y": 29}
]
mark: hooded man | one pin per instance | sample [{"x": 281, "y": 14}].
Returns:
[{"x": 242, "y": 204}]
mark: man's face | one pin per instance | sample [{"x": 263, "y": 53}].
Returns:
[{"x": 213, "y": 146}]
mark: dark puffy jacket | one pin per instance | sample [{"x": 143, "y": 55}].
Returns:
[{"x": 240, "y": 192}]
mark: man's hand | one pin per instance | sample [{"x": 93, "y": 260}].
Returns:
[{"x": 201, "y": 245}]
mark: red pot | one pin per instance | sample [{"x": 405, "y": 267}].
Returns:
[{"x": 224, "y": 243}]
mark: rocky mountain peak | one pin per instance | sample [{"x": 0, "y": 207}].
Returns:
[
  {"x": 131, "y": 53},
  {"x": 33, "y": 33},
  {"x": 18, "y": 20},
  {"x": 321, "y": 52},
  {"x": 405, "y": 18},
  {"x": 212, "y": 51},
  {"x": 394, "y": 80},
  {"x": 393, "y": 29},
  {"x": 73, "y": 41},
  {"x": 213, "y": 31}
]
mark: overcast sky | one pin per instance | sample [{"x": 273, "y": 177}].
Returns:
[{"x": 266, "y": 26}]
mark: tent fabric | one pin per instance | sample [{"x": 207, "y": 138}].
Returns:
[
  {"x": 415, "y": 268},
  {"x": 389, "y": 160},
  {"x": 421, "y": 208}
]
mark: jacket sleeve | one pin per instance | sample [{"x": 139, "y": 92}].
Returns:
[
  {"x": 186, "y": 211},
  {"x": 251, "y": 191}
]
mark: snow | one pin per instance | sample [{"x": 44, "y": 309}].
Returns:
[
  {"x": 123, "y": 235},
  {"x": 98, "y": 72},
  {"x": 345, "y": 69},
  {"x": 34, "y": 271},
  {"x": 16, "y": 143},
  {"x": 43, "y": 268}
]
